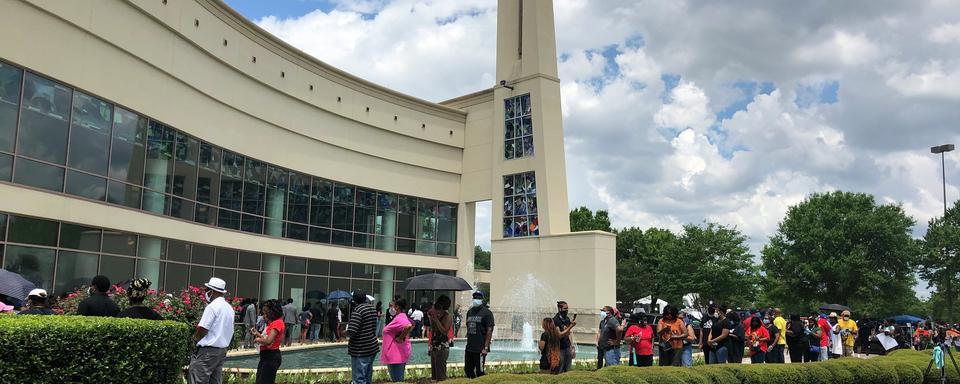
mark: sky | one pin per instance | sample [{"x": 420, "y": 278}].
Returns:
[{"x": 688, "y": 111}]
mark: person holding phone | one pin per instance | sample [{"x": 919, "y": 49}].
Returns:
[
  {"x": 269, "y": 342},
  {"x": 565, "y": 326}
]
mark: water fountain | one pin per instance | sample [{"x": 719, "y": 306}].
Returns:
[
  {"x": 519, "y": 313},
  {"x": 526, "y": 341}
]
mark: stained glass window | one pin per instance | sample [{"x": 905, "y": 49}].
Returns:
[
  {"x": 517, "y": 128},
  {"x": 520, "y": 216}
]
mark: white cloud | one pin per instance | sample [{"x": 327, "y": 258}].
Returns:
[
  {"x": 931, "y": 80},
  {"x": 945, "y": 33},
  {"x": 842, "y": 48},
  {"x": 688, "y": 108}
]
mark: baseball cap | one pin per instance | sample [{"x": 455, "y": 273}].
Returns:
[{"x": 37, "y": 292}]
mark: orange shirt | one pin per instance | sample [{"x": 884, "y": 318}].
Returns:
[{"x": 672, "y": 328}]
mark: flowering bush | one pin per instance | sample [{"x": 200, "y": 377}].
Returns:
[{"x": 184, "y": 306}]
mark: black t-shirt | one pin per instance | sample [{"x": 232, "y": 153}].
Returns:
[
  {"x": 774, "y": 332},
  {"x": 37, "y": 311},
  {"x": 545, "y": 355},
  {"x": 706, "y": 327},
  {"x": 736, "y": 346},
  {"x": 479, "y": 319},
  {"x": 99, "y": 304},
  {"x": 140, "y": 312},
  {"x": 717, "y": 330},
  {"x": 332, "y": 315},
  {"x": 608, "y": 331},
  {"x": 562, "y": 322},
  {"x": 317, "y": 315}
]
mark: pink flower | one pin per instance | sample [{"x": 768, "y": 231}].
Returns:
[{"x": 186, "y": 301}]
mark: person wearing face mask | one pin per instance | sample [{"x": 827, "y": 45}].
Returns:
[
  {"x": 639, "y": 336},
  {"x": 212, "y": 335},
  {"x": 479, "y": 335},
  {"x": 774, "y": 332},
  {"x": 608, "y": 340},
  {"x": 848, "y": 331},
  {"x": 396, "y": 340},
  {"x": 565, "y": 327},
  {"x": 705, "y": 326},
  {"x": 836, "y": 342}
]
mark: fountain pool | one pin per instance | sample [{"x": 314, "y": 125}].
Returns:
[{"x": 336, "y": 357}]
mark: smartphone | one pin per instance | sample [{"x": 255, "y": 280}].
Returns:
[{"x": 574, "y": 317}]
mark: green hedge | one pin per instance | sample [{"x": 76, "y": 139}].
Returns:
[
  {"x": 74, "y": 349},
  {"x": 920, "y": 360}
]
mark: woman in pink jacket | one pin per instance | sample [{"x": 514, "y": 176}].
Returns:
[{"x": 396, "y": 344}]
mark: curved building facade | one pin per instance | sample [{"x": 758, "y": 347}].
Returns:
[{"x": 175, "y": 140}]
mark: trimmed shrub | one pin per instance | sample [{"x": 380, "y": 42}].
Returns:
[
  {"x": 716, "y": 375},
  {"x": 747, "y": 373},
  {"x": 505, "y": 378},
  {"x": 578, "y": 377},
  {"x": 621, "y": 374},
  {"x": 863, "y": 372},
  {"x": 839, "y": 373},
  {"x": 906, "y": 373},
  {"x": 72, "y": 349},
  {"x": 920, "y": 360}
]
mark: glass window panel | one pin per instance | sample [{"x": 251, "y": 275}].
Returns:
[
  {"x": 175, "y": 277},
  {"x": 253, "y": 187},
  {"x": 10, "y": 79},
  {"x": 427, "y": 223},
  {"x": 151, "y": 270},
  {"x": 75, "y": 270},
  {"x": 185, "y": 155},
  {"x": 296, "y": 231},
  {"x": 401, "y": 274},
  {"x": 227, "y": 257},
  {"x": 293, "y": 288},
  {"x": 86, "y": 185},
  {"x": 276, "y": 193},
  {"x": 339, "y": 285},
  {"x": 343, "y": 217},
  {"x": 3, "y": 229},
  {"x": 270, "y": 285},
  {"x": 406, "y": 245},
  {"x": 364, "y": 220},
  {"x": 318, "y": 267},
  {"x": 386, "y": 243},
  {"x": 248, "y": 284},
  {"x": 426, "y": 247},
  {"x": 208, "y": 174},
  {"x": 321, "y": 215},
  {"x": 123, "y": 194},
  {"x": 121, "y": 243},
  {"x": 385, "y": 223},
  {"x": 149, "y": 247},
  {"x": 446, "y": 249},
  {"x": 363, "y": 285},
  {"x": 34, "y": 264},
  {"x": 127, "y": 150},
  {"x": 298, "y": 201},
  {"x": 183, "y": 209},
  {"x": 156, "y": 202},
  {"x": 205, "y": 214},
  {"x": 386, "y": 201},
  {"x": 117, "y": 269},
  {"x": 294, "y": 265},
  {"x": 252, "y": 224},
  {"x": 90, "y": 134},
  {"x": 44, "y": 119},
  {"x": 229, "y": 276},
  {"x": 320, "y": 235},
  {"x": 228, "y": 219},
  {"x": 343, "y": 194},
  {"x": 203, "y": 254},
  {"x": 316, "y": 288},
  {"x": 231, "y": 181},
  {"x": 179, "y": 250},
  {"x": 28, "y": 230},
  {"x": 341, "y": 238},
  {"x": 200, "y": 275},
  {"x": 6, "y": 166},
  {"x": 249, "y": 260},
  {"x": 79, "y": 237},
  {"x": 362, "y": 240},
  {"x": 366, "y": 198},
  {"x": 339, "y": 269},
  {"x": 364, "y": 271},
  {"x": 39, "y": 175},
  {"x": 159, "y": 163}
]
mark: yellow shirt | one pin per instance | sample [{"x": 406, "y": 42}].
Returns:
[
  {"x": 852, "y": 327},
  {"x": 782, "y": 326}
]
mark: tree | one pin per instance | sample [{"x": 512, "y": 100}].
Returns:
[
  {"x": 842, "y": 247},
  {"x": 481, "y": 258},
  {"x": 939, "y": 261},
  {"x": 583, "y": 219},
  {"x": 639, "y": 257}
]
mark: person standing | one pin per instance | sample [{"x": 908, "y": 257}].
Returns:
[
  {"x": 609, "y": 338},
  {"x": 639, "y": 336},
  {"x": 737, "y": 342},
  {"x": 212, "y": 335},
  {"x": 37, "y": 303},
  {"x": 289, "y": 321},
  {"x": 781, "y": 341},
  {"x": 249, "y": 322},
  {"x": 564, "y": 327},
  {"x": 457, "y": 321},
  {"x": 362, "y": 345},
  {"x": 759, "y": 341},
  {"x": 333, "y": 322},
  {"x": 686, "y": 357},
  {"x": 719, "y": 338},
  {"x": 417, "y": 316},
  {"x": 379, "y": 310},
  {"x": 98, "y": 304},
  {"x": 836, "y": 342},
  {"x": 672, "y": 331},
  {"x": 305, "y": 318},
  {"x": 480, "y": 325},
  {"x": 269, "y": 342},
  {"x": 848, "y": 331},
  {"x": 549, "y": 347},
  {"x": 396, "y": 340},
  {"x": 136, "y": 295},
  {"x": 797, "y": 341},
  {"x": 316, "y": 322},
  {"x": 705, "y": 328},
  {"x": 824, "y": 326},
  {"x": 441, "y": 333},
  {"x": 774, "y": 333}
]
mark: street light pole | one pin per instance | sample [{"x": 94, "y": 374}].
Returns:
[{"x": 942, "y": 149}]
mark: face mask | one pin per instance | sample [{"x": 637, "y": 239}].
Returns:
[
  {"x": 603, "y": 315},
  {"x": 766, "y": 321},
  {"x": 477, "y": 302},
  {"x": 846, "y": 318},
  {"x": 206, "y": 295},
  {"x": 393, "y": 311},
  {"x": 563, "y": 313}
]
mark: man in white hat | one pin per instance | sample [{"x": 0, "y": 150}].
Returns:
[
  {"x": 213, "y": 335},
  {"x": 37, "y": 302}
]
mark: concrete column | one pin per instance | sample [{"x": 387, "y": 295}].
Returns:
[
  {"x": 150, "y": 248},
  {"x": 386, "y": 284},
  {"x": 270, "y": 280},
  {"x": 466, "y": 239},
  {"x": 276, "y": 201},
  {"x": 389, "y": 228},
  {"x": 156, "y": 180}
]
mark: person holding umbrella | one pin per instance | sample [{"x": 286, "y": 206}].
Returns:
[{"x": 480, "y": 325}]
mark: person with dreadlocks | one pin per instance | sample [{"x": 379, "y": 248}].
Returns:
[
  {"x": 549, "y": 347},
  {"x": 136, "y": 294},
  {"x": 269, "y": 342}
]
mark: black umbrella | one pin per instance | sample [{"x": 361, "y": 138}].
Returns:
[
  {"x": 14, "y": 285},
  {"x": 436, "y": 282},
  {"x": 834, "y": 307}
]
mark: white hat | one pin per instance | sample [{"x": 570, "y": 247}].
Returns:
[
  {"x": 37, "y": 292},
  {"x": 217, "y": 284}
]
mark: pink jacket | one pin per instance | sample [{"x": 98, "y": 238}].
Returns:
[{"x": 396, "y": 352}]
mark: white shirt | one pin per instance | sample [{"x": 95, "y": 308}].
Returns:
[
  {"x": 417, "y": 315},
  {"x": 836, "y": 346},
  {"x": 217, "y": 319}
]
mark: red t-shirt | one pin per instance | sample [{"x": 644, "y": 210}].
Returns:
[
  {"x": 279, "y": 327},
  {"x": 757, "y": 334},
  {"x": 824, "y": 332},
  {"x": 644, "y": 346}
]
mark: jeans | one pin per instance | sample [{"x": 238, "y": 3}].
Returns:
[
  {"x": 758, "y": 358},
  {"x": 472, "y": 364},
  {"x": 396, "y": 372},
  {"x": 362, "y": 369},
  {"x": 566, "y": 359},
  {"x": 686, "y": 359},
  {"x": 719, "y": 356},
  {"x": 270, "y": 361},
  {"x": 824, "y": 353},
  {"x": 314, "y": 332},
  {"x": 612, "y": 357},
  {"x": 599, "y": 357},
  {"x": 775, "y": 355},
  {"x": 287, "y": 331}
]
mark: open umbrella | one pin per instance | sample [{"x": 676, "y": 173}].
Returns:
[
  {"x": 14, "y": 285},
  {"x": 436, "y": 282},
  {"x": 338, "y": 294},
  {"x": 834, "y": 308},
  {"x": 905, "y": 319}
]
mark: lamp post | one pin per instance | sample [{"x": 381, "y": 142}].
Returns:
[{"x": 942, "y": 149}]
